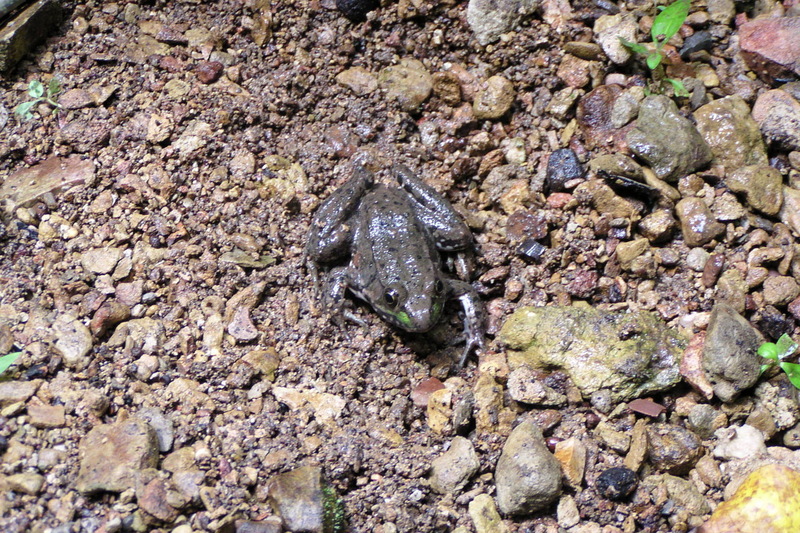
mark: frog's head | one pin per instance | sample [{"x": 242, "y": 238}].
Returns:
[{"x": 417, "y": 312}]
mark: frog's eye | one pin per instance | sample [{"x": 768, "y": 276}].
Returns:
[
  {"x": 390, "y": 296},
  {"x": 438, "y": 286}
]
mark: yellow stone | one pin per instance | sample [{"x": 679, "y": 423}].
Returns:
[{"x": 768, "y": 501}]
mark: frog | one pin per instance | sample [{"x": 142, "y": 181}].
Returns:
[{"x": 395, "y": 238}]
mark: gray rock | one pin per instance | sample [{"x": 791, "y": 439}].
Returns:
[
  {"x": 682, "y": 492},
  {"x": 489, "y": 19},
  {"x": 484, "y": 515},
  {"x": 673, "y": 448},
  {"x": 101, "y": 260},
  {"x": 495, "y": 99},
  {"x": 297, "y": 497},
  {"x": 704, "y": 420},
  {"x": 698, "y": 224},
  {"x": 17, "y": 391},
  {"x": 721, "y": 11},
  {"x": 73, "y": 341},
  {"x": 742, "y": 442},
  {"x": 778, "y": 116},
  {"x": 630, "y": 354},
  {"x": 790, "y": 212},
  {"x": 26, "y": 482},
  {"x": 658, "y": 226},
  {"x": 161, "y": 425},
  {"x": 409, "y": 83},
  {"x": 146, "y": 334},
  {"x": 730, "y": 131},
  {"x": 780, "y": 290},
  {"x": 528, "y": 476},
  {"x": 669, "y": 142},
  {"x": 730, "y": 360},
  {"x": 762, "y": 186},
  {"x": 454, "y": 468},
  {"x": 525, "y": 387},
  {"x": 113, "y": 456},
  {"x": 607, "y": 31}
]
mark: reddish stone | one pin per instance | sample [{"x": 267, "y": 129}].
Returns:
[
  {"x": 558, "y": 200},
  {"x": 422, "y": 392},
  {"x": 771, "y": 47},
  {"x": 209, "y": 71}
]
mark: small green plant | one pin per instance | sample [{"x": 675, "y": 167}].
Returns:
[
  {"x": 665, "y": 25},
  {"x": 333, "y": 518},
  {"x": 8, "y": 360},
  {"x": 777, "y": 352},
  {"x": 39, "y": 93}
]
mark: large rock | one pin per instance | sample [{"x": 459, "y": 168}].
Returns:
[
  {"x": 771, "y": 46},
  {"x": 628, "y": 354},
  {"x": 489, "y": 19},
  {"x": 767, "y": 502},
  {"x": 730, "y": 358},
  {"x": 730, "y": 131},
  {"x": 113, "y": 456},
  {"x": 667, "y": 140},
  {"x": 528, "y": 476}
]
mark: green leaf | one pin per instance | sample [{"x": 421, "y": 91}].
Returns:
[
  {"x": 764, "y": 368},
  {"x": 634, "y": 47},
  {"x": 653, "y": 60},
  {"x": 669, "y": 21},
  {"x": 785, "y": 346},
  {"x": 792, "y": 372},
  {"x": 678, "y": 87},
  {"x": 8, "y": 360},
  {"x": 23, "y": 111},
  {"x": 36, "y": 89},
  {"x": 54, "y": 87},
  {"x": 768, "y": 350}
]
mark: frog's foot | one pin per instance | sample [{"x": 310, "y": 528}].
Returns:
[
  {"x": 335, "y": 298},
  {"x": 474, "y": 319}
]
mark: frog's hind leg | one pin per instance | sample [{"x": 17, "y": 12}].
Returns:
[
  {"x": 474, "y": 318},
  {"x": 330, "y": 233},
  {"x": 450, "y": 233}
]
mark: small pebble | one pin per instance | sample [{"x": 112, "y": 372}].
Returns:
[
  {"x": 356, "y": 10},
  {"x": 616, "y": 483},
  {"x": 209, "y": 71}
]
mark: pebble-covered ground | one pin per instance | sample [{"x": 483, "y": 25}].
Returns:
[{"x": 179, "y": 373}]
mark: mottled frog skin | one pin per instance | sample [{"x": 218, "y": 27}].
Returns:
[{"x": 394, "y": 238}]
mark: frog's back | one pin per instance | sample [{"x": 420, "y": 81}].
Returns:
[{"x": 401, "y": 247}]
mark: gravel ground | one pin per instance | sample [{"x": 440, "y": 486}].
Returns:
[{"x": 157, "y": 275}]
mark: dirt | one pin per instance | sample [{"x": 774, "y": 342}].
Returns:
[{"x": 185, "y": 172}]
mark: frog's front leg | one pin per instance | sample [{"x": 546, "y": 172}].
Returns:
[
  {"x": 450, "y": 233},
  {"x": 338, "y": 282},
  {"x": 474, "y": 317}
]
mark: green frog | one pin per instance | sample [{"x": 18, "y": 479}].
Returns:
[{"x": 394, "y": 238}]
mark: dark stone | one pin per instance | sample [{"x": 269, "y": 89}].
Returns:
[
  {"x": 616, "y": 483},
  {"x": 531, "y": 250},
  {"x": 356, "y": 10},
  {"x": 562, "y": 167},
  {"x": 702, "y": 40},
  {"x": 773, "y": 323},
  {"x": 21, "y": 34}
]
